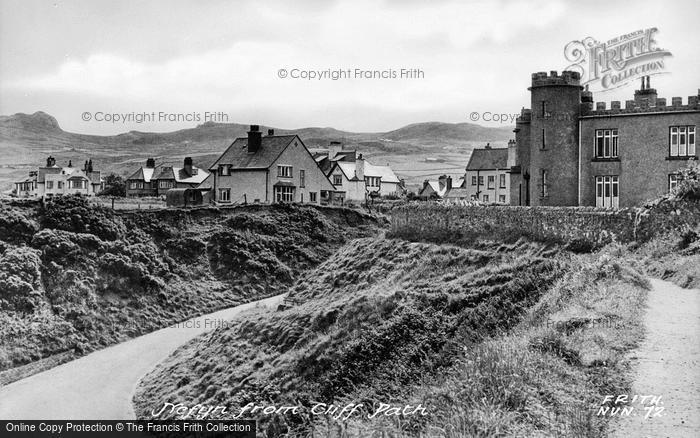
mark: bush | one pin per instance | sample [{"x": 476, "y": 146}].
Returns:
[
  {"x": 20, "y": 277},
  {"x": 74, "y": 213},
  {"x": 15, "y": 225},
  {"x": 132, "y": 268}
]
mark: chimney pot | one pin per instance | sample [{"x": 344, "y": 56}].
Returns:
[{"x": 270, "y": 132}]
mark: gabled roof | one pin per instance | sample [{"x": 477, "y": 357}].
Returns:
[
  {"x": 238, "y": 157},
  {"x": 435, "y": 186},
  {"x": 488, "y": 159},
  {"x": 349, "y": 168},
  {"x": 181, "y": 176},
  {"x": 144, "y": 174},
  {"x": 458, "y": 193}
]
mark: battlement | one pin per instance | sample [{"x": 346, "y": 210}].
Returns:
[
  {"x": 658, "y": 104},
  {"x": 566, "y": 78},
  {"x": 525, "y": 116}
]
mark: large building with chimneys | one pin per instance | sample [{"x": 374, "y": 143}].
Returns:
[
  {"x": 150, "y": 180},
  {"x": 569, "y": 151},
  {"x": 54, "y": 180},
  {"x": 268, "y": 169}
]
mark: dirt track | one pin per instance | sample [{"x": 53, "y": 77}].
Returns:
[
  {"x": 100, "y": 386},
  {"x": 667, "y": 364}
]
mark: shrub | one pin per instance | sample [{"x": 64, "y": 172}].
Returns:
[
  {"x": 74, "y": 213},
  {"x": 20, "y": 277},
  {"x": 128, "y": 268},
  {"x": 15, "y": 225}
]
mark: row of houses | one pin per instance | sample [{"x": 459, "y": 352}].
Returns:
[
  {"x": 486, "y": 179},
  {"x": 269, "y": 169}
]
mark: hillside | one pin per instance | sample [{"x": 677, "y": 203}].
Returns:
[
  {"x": 76, "y": 277},
  {"x": 463, "y": 332},
  {"x": 26, "y": 140}
]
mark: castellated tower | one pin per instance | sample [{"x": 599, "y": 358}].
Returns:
[{"x": 554, "y": 156}]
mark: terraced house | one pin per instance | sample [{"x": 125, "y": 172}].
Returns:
[
  {"x": 486, "y": 178},
  {"x": 268, "y": 169},
  {"x": 569, "y": 151}
]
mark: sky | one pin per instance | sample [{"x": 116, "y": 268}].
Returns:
[{"x": 222, "y": 60}]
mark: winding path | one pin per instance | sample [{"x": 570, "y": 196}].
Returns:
[
  {"x": 668, "y": 365},
  {"x": 100, "y": 385}
]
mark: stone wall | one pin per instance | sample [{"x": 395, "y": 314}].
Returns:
[{"x": 586, "y": 226}]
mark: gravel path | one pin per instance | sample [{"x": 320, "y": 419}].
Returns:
[
  {"x": 100, "y": 386},
  {"x": 668, "y": 365}
]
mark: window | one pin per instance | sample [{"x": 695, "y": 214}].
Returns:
[
  {"x": 312, "y": 197},
  {"x": 545, "y": 183},
  {"x": 373, "y": 181},
  {"x": 502, "y": 199},
  {"x": 672, "y": 182},
  {"x": 284, "y": 194},
  {"x": 473, "y": 180},
  {"x": 60, "y": 184},
  {"x": 544, "y": 142},
  {"x": 284, "y": 171},
  {"x": 681, "y": 141},
  {"x": 166, "y": 184},
  {"x": 224, "y": 170},
  {"x": 337, "y": 180},
  {"x": 545, "y": 114},
  {"x": 77, "y": 184},
  {"x": 49, "y": 184},
  {"x": 136, "y": 184},
  {"x": 502, "y": 180},
  {"x": 607, "y": 191},
  {"x": 492, "y": 182},
  {"x": 481, "y": 180},
  {"x": 485, "y": 198},
  {"x": 224, "y": 195},
  {"x": 606, "y": 143},
  {"x": 302, "y": 178}
]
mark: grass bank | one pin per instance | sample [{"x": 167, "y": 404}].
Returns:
[
  {"x": 76, "y": 277},
  {"x": 493, "y": 340}
]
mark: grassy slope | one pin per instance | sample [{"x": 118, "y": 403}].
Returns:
[
  {"x": 462, "y": 331},
  {"x": 75, "y": 277}
]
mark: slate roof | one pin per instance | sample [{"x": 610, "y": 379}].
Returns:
[
  {"x": 435, "y": 185},
  {"x": 488, "y": 159},
  {"x": 238, "y": 157},
  {"x": 457, "y": 193},
  {"x": 181, "y": 176},
  {"x": 144, "y": 174},
  {"x": 384, "y": 172}
]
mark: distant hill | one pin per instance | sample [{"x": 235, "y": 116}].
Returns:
[{"x": 27, "y": 139}]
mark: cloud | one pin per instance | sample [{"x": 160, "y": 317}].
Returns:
[{"x": 452, "y": 41}]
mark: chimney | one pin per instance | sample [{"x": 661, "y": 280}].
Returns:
[
  {"x": 448, "y": 182},
  {"x": 85, "y": 167},
  {"x": 188, "y": 165},
  {"x": 70, "y": 163},
  {"x": 646, "y": 92},
  {"x": 442, "y": 181},
  {"x": 90, "y": 165},
  {"x": 254, "y": 139},
  {"x": 488, "y": 146},
  {"x": 360, "y": 168},
  {"x": 51, "y": 161},
  {"x": 270, "y": 132},
  {"x": 334, "y": 149},
  {"x": 150, "y": 163},
  {"x": 512, "y": 153}
]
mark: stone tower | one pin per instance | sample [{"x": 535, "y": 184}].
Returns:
[{"x": 554, "y": 155}]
